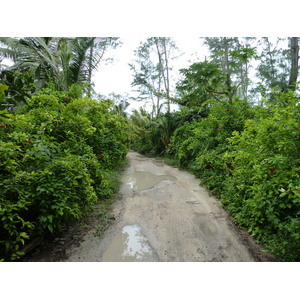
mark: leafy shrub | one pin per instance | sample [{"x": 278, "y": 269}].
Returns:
[
  {"x": 20, "y": 86},
  {"x": 264, "y": 190},
  {"x": 285, "y": 241},
  {"x": 249, "y": 157},
  {"x": 199, "y": 145},
  {"x": 57, "y": 157},
  {"x": 155, "y": 134},
  {"x": 182, "y": 144}
]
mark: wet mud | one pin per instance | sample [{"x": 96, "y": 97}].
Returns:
[
  {"x": 165, "y": 215},
  {"x": 139, "y": 181},
  {"x": 129, "y": 245}
]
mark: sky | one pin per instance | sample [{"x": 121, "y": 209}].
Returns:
[{"x": 116, "y": 77}]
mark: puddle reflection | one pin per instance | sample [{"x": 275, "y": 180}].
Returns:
[
  {"x": 129, "y": 245},
  {"x": 139, "y": 181}
]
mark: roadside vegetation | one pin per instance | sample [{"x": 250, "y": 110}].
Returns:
[
  {"x": 244, "y": 147},
  {"x": 60, "y": 152},
  {"x": 60, "y": 149}
]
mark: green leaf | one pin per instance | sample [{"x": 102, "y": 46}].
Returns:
[
  {"x": 3, "y": 88},
  {"x": 24, "y": 235},
  {"x": 283, "y": 194},
  {"x": 50, "y": 227}
]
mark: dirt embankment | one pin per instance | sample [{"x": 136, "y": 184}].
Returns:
[{"x": 164, "y": 215}]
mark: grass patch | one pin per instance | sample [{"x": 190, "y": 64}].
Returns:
[{"x": 169, "y": 160}]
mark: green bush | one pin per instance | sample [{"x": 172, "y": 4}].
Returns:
[
  {"x": 199, "y": 145},
  {"x": 250, "y": 158},
  {"x": 183, "y": 145},
  {"x": 20, "y": 86},
  {"x": 154, "y": 135},
  {"x": 263, "y": 191},
  {"x": 57, "y": 157}
]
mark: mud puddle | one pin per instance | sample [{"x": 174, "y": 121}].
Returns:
[
  {"x": 139, "y": 181},
  {"x": 129, "y": 245}
]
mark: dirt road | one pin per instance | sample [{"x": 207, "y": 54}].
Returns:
[{"x": 166, "y": 216}]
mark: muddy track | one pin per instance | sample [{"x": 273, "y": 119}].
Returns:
[{"x": 164, "y": 215}]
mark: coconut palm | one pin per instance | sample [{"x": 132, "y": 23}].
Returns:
[
  {"x": 86, "y": 54},
  {"x": 34, "y": 53},
  {"x": 63, "y": 61}
]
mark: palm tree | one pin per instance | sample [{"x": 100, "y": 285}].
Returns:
[
  {"x": 86, "y": 54},
  {"x": 62, "y": 60},
  {"x": 34, "y": 53}
]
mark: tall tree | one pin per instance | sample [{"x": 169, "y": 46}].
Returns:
[
  {"x": 273, "y": 69},
  {"x": 36, "y": 53},
  {"x": 163, "y": 45},
  {"x": 86, "y": 55},
  {"x": 227, "y": 69},
  {"x": 151, "y": 71},
  {"x": 233, "y": 55},
  {"x": 146, "y": 78},
  {"x": 294, "y": 42},
  {"x": 201, "y": 82}
]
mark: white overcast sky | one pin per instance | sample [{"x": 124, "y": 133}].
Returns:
[{"x": 117, "y": 77}]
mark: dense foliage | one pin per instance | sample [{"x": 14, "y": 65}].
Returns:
[
  {"x": 245, "y": 153},
  {"x": 249, "y": 158},
  {"x": 153, "y": 133},
  {"x": 58, "y": 150},
  {"x": 262, "y": 188},
  {"x": 57, "y": 156}
]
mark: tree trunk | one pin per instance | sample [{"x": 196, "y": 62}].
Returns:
[
  {"x": 163, "y": 66},
  {"x": 227, "y": 67},
  {"x": 160, "y": 72},
  {"x": 90, "y": 69},
  {"x": 167, "y": 79},
  {"x": 294, "y": 63},
  {"x": 271, "y": 59},
  {"x": 158, "y": 95},
  {"x": 246, "y": 82}
]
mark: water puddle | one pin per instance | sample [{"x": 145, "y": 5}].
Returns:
[
  {"x": 129, "y": 245},
  {"x": 139, "y": 181}
]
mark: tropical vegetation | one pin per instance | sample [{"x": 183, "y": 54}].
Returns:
[
  {"x": 236, "y": 128},
  {"x": 241, "y": 139},
  {"x": 59, "y": 149}
]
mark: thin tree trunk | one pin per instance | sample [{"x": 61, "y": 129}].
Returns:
[
  {"x": 160, "y": 73},
  {"x": 90, "y": 69},
  {"x": 166, "y": 78},
  {"x": 153, "y": 112},
  {"x": 227, "y": 68},
  {"x": 164, "y": 68},
  {"x": 273, "y": 71},
  {"x": 295, "y": 63},
  {"x": 246, "y": 82},
  {"x": 158, "y": 95}
]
